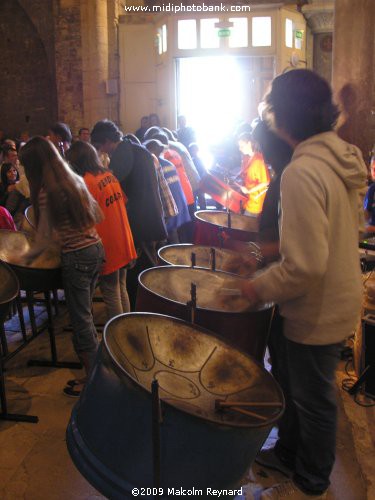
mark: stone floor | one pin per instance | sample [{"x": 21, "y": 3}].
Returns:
[{"x": 35, "y": 464}]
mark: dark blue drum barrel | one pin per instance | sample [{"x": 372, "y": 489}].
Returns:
[{"x": 110, "y": 437}]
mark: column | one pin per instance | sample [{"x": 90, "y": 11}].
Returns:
[
  {"x": 95, "y": 46},
  {"x": 354, "y": 70},
  {"x": 319, "y": 17}
]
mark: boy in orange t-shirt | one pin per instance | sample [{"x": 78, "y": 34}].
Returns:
[{"x": 255, "y": 174}]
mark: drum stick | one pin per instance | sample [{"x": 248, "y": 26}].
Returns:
[
  {"x": 247, "y": 412},
  {"x": 260, "y": 194},
  {"x": 224, "y": 404},
  {"x": 232, "y": 292},
  {"x": 156, "y": 433}
]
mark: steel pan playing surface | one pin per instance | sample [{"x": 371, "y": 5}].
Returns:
[
  {"x": 193, "y": 367},
  {"x": 210, "y": 223},
  {"x": 41, "y": 273},
  {"x": 226, "y": 260},
  {"x": 167, "y": 290}
]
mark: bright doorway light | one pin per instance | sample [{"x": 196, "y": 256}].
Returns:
[{"x": 211, "y": 94}]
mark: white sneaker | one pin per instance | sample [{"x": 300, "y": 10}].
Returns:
[{"x": 289, "y": 491}]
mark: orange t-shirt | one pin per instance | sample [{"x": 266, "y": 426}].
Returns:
[
  {"x": 175, "y": 158},
  {"x": 114, "y": 229},
  {"x": 256, "y": 173}
]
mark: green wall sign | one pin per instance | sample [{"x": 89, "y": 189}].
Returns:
[{"x": 223, "y": 33}]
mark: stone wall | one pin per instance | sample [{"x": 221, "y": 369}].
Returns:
[
  {"x": 27, "y": 83},
  {"x": 68, "y": 63}
]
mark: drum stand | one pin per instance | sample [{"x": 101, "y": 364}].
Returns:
[
  {"x": 54, "y": 363},
  {"x": 4, "y": 357},
  {"x": 192, "y": 303},
  {"x": 156, "y": 434}
]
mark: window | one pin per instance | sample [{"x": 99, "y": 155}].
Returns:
[
  {"x": 289, "y": 33},
  {"x": 209, "y": 36},
  {"x": 298, "y": 39},
  {"x": 161, "y": 39},
  {"x": 261, "y": 32},
  {"x": 239, "y": 32},
  {"x": 187, "y": 34},
  {"x": 164, "y": 37}
]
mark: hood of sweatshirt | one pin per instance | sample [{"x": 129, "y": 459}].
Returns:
[{"x": 344, "y": 158}]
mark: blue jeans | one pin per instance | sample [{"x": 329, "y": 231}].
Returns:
[
  {"x": 307, "y": 430},
  {"x": 80, "y": 272}
]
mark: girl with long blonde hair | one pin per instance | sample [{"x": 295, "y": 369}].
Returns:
[{"x": 65, "y": 211}]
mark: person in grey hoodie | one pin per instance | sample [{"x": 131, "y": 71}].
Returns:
[{"x": 316, "y": 282}]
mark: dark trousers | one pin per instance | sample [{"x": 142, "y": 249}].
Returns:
[{"x": 307, "y": 430}]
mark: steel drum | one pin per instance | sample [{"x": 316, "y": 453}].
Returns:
[
  {"x": 205, "y": 441},
  {"x": 167, "y": 290},
  {"x": 42, "y": 273},
  {"x": 209, "y": 225},
  {"x": 220, "y": 259},
  {"x": 222, "y": 193},
  {"x": 8, "y": 289}
]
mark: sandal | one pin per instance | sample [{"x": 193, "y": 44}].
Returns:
[
  {"x": 73, "y": 382},
  {"x": 72, "y": 392}
]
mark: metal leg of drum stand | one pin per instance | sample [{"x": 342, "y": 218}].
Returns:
[
  {"x": 51, "y": 332},
  {"x": 156, "y": 434},
  {"x": 3, "y": 341},
  {"x": 55, "y": 301},
  {"x": 21, "y": 317},
  {"x": 4, "y": 415},
  {"x": 365, "y": 375},
  {"x": 30, "y": 306}
]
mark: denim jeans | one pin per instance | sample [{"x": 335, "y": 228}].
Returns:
[
  {"x": 114, "y": 292},
  {"x": 80, "y": 272},
  {"x": 307, "y": 430}
]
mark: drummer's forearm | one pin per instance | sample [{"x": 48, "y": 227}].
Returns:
[
  {"x": 42, "y": 237},
  {"x": 270, "y": 251}
]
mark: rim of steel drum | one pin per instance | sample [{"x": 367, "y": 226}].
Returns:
[
  {"x": 30, "y": 216},
  {"x": 228, "y": 278},
  {"x": 244, "y": 223},
  {"x": 178, "y": 255},
  {"x": 243, "y": 365},
  {"x": 9, "y": 286},
  {"x": 15, "y": 243}
]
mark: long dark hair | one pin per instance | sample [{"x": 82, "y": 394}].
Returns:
[
  {"x": 45, "y": 169},
  {"x": 4, "y": 170},
  {"x": 83, "y": 158}
]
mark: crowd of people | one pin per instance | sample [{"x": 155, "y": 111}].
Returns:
[{"x": 111, "y": 200}]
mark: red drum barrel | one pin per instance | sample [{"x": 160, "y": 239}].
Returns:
[
  {"x": 218, "y": 406},
  {"x": 210, "y": 224},
  {"x": 167, "y": 290}
]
